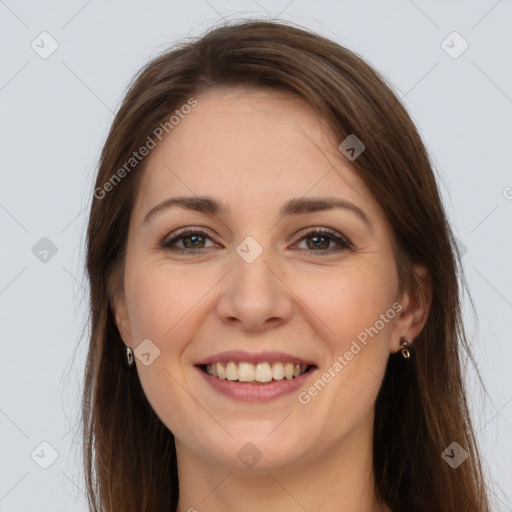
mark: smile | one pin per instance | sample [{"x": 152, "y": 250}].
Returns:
[
  {"x": 255, "y": 377},
  {"x": 259, "y": 373}
]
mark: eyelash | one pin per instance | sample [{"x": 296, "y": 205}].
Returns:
[{"x": 343, "y": 243}]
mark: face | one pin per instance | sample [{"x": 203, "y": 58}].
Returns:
[{"x": 257, "y": 283}]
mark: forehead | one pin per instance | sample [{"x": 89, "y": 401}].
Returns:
[{"x": 250, "y": 148}]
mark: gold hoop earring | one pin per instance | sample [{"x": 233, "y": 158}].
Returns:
[{"x": 405, "y": 347}]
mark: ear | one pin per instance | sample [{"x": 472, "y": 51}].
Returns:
[
  {"x": 416, "y": 301},
  {"x": 121, "y": 319}
]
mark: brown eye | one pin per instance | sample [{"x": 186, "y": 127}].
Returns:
[
  {"x": 319, "y": 241},
  {"x": 192, "y": 241}
]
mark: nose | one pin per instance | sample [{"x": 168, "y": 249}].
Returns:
[{"x": 255, "y": 297}]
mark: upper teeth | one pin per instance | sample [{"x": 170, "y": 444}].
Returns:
[{"x": 261, "y": 372}]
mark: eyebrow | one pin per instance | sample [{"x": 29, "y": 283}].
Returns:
[{"x": 298, "y": 206}]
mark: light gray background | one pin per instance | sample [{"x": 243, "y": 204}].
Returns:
[{"x": 56, "y": 113}]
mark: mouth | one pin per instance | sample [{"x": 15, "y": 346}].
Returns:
[
  {"x": 261, "y": 373},
  {"x": 261, "y": 376}
]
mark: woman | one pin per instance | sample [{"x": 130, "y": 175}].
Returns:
[{"x": 269, "y": 257}]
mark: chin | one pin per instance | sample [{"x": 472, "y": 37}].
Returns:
[{"x": 260, "y": 451}]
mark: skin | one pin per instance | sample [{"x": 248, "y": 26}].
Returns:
[{"x": 255, "y": 150}]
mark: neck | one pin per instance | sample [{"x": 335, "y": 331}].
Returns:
[{"x": 340, "y": 478}]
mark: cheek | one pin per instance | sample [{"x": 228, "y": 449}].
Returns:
[
  {"x": 163, "y": 306},
  {"x": 358, "y": 309},
  {"x": 354, "y": 314},
  {"x": 160, "y": 299},
  {"x": 350, "y": 303}
]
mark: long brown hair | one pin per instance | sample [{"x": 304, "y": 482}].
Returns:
[{"x": 129, "y": 454}]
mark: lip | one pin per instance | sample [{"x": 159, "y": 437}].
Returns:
[{"x": 239, "y": 356}]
